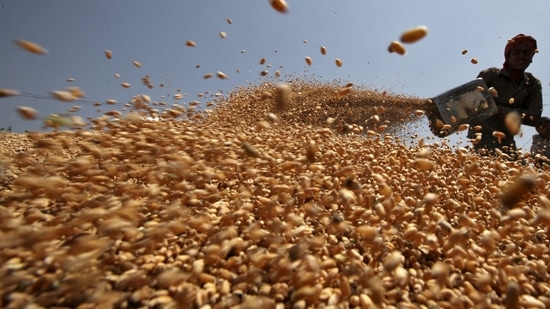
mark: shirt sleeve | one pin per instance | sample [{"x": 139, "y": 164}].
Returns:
[
  {"x": 487, "y": 75},
  {"x": 533, "y": 110}
]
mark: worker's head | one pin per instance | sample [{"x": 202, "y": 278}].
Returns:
[
  {"x": 519, "y": 52},
  {"x": 543, "y": 127}
]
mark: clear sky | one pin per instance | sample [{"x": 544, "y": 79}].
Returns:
[{"x": 76, "y": 33}]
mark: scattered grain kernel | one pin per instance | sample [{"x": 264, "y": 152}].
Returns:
[
  {"x": 392, "y": 260},
  {"x": 397, "y": 47},
  {"x": 282, "y": 96},
  {"x": 65, "y": 96},
  {"x": 279, "y": 5},
  {"x": 31, "y": 47},
  {"x": 344, "y": 91},
  {"x": 493, "y": 92},
  {"x": 512, "y": 121},
  {"x": 221, "y": 75},
  {"x": 28, "y": 113},
  {"x": 463, "y": 127},
  {"x": 4, "y": 92},
  {"x": 499, "y": 134},
  {"x": 424, "y": 164},
  {"x": 414, "y": 34}
]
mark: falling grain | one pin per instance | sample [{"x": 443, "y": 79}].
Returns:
[
  {"x": 282, "y": 96},
  {"x": 279, "y": 195},
  {"x": 397, "y": 47},
  {"x": 31, "y": 47},
  {"x": 414, "y": 34},
  {"x": 517, "y": 191},
  {"x": 27, "y": 113},
  {"x": 251, "y": 150},
  {"x": 64, "y": 96},
  {"x": 393, "y": 260},
  {"x": 221, "y": 75},
  {"x": 512, "y": 121},
  {"x": 512, "y": 296},
  {"x": 4, "y": 92},
  {"x": 493, "y": 92},
  {"x": 279, "y": 5}
]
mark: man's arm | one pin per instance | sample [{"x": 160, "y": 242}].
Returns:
[{"x": 533, "y": 105}]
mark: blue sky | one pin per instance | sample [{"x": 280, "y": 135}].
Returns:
[{"x": 77, "y": 32}]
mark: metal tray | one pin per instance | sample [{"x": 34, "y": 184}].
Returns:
[{"x": 469, "y": 103}]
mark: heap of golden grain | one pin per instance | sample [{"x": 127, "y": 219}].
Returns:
[
  {"x": 280, "y": 196},
  {"x": 295, "y": 195}
]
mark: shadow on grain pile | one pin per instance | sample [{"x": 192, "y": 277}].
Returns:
[{"x": 261, "y": 205}]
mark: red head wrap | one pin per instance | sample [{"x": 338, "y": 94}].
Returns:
[{"x": 520, "y": 39}]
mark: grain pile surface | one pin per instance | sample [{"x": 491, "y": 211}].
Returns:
[{"x": 281, "y": 196}]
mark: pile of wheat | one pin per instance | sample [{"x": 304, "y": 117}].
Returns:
[{"x": 281, "y": 196}]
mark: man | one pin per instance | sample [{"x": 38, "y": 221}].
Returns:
[
  {"x": 540, "y": 149},
  {"x": 517, "y": 91}
]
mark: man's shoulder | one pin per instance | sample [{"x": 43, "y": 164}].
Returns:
[
  {"x": 492, "y": 71},
  {"x": 533, "y": 78},
  {"x": 539, "y": 140}
]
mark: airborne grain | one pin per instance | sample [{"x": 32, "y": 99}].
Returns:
[
  {"x": 279, "y": 5},
  {"x": 31, "y": 47},
  {"x": 397, "y": 47},
  {"x": 414, "y": 34},
  {"x": 4, "y": 92}
]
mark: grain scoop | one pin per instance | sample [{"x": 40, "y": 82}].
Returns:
[{"x": 470, "y": 103}]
